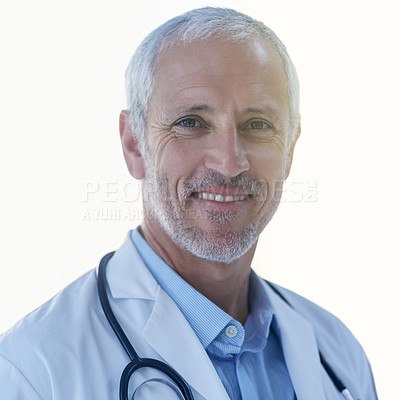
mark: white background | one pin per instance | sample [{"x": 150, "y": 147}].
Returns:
[{"x": 335, "y": 238}]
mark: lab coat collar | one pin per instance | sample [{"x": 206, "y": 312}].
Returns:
[
  {"x": 129, "y": 278},
  {"x": 123, "y": 271},
  {"x": 300, "y": 349}
]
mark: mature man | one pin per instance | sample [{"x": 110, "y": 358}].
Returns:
[{"x": 210, "y": 129}]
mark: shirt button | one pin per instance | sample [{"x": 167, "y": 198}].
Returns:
[{"x": 231, "y": 331}]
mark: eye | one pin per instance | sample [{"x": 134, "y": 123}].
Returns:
[
  {"x": 257, "y": 125},
  {"x": 189, "y": 123}
]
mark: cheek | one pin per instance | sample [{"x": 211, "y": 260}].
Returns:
[
  {"x": 269, "y": 164},
  {"x": 177, "y": 163},
  {"x": 179, "y": 159}
]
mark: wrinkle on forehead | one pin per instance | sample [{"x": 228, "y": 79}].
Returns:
[{"x": 257, "y": 53}]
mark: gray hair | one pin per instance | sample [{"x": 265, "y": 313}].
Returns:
[{"x": 201, "y": 23}]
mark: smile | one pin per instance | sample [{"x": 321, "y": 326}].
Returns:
[{"x": 220, "y": 198}]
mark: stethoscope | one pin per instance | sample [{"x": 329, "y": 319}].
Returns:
[{"x": 137, "y": 362}]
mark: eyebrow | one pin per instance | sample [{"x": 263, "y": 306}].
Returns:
[
  {"x": 259, "y": 110},
  {"x": 268, "y": 111},
  {"x": 195, "y": 108}
]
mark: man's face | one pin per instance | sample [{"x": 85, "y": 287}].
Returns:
[{"x": 217, "y": 129}]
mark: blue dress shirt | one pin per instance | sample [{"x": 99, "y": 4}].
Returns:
[{"x": 249, "y": 359}]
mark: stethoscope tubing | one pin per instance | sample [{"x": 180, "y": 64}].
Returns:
[
  {"x": 155, "y": 364},
  {"x": 112, "y": 320},
  {"x": 136, "y": 362}
]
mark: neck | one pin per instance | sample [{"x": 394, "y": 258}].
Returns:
[{"x": 226, "y": 285}]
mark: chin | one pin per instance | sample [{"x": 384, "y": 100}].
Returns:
[{"x": 221, "y": 245}]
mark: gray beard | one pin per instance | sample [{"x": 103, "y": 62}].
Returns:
[{"x": 223, "y": 245}]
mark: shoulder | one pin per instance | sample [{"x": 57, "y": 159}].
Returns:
[
  {"x": 34, "y": 341},
  {"x": 334, "y": 340},
  {"x": 55, "y": 316},
  {"x": 60, "y": 310},
  {"x": 325, "y": 324}
]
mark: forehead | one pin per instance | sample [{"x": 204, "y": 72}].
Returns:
[{"x": 240, "y": 74}]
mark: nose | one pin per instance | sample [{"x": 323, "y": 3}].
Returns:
[{"x": 226, "y": 153}]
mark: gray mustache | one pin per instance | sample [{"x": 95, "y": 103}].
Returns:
[{"x": 243, "y": 182}]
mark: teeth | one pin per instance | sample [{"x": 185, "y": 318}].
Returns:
[{"x": 220, "y": 198}]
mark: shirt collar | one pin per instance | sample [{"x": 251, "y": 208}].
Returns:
[
  {"x": 261, "y": 315},
  {"x": 206, "y": 318}
]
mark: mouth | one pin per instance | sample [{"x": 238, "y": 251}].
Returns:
[
  {"x": 221, "y": 198},
  {"x": 215, "y": 191}
]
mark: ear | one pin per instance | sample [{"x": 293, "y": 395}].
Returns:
[
  {"x": 130, "y": 146},
  {"x": 289, "y": 156}
]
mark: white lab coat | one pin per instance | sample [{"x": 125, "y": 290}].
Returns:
[{"x": 66, "y": 349}]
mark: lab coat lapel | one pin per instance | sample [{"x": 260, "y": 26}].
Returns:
[
  {"x": 166, "y": 329},
  {"x": 169, "y": 333},
  {"x": 300, "y": 350}
]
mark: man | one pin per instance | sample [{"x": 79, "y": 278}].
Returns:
[{"x": 210, "y": 129}]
